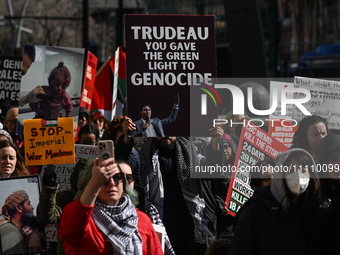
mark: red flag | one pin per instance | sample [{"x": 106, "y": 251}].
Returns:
[
  {"x": 90, "y": 72},
  {"x": 103, "y": 89}
]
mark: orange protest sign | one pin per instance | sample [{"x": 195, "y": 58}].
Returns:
[{"x": 49, "y": 143}]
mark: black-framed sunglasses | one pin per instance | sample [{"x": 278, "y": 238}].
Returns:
[
  {"x": 117, "y": 178},
  {"x": 15, "y": 121},
  {"x": 130, "y": 178}
]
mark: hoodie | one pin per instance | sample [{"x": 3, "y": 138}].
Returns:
[{"x": 264, "y": 226}]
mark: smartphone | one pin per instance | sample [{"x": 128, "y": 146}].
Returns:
[{"x": 105, "y": 150}]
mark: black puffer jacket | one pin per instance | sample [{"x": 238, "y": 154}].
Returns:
[{"x": 264, "y": 228}]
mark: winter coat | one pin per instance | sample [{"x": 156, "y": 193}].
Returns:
[
  {"x": 264, "y": 227},
  {"x": 82, "y": 236}
]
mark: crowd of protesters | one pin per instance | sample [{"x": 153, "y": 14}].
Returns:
[{"x": 111, "y": 205}]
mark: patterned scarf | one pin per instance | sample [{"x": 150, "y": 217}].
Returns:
[
  {"x": 119, "y": 224},
  {"x": 151, "y": 178}
]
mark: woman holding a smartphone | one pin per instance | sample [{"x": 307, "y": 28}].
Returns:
[{"x": 103, "y": 219}]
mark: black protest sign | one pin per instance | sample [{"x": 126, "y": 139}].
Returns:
[
  {"x": 165, "y": 54},
  {"x": 10, "y": 78}
]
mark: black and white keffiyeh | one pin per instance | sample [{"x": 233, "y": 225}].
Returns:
[
  {"x": 119, "y": 224},
  {"x": 155, "y": 219},
  {"x": 150, "y": 177}
]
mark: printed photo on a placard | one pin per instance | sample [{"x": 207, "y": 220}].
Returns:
[
  {"x": 19, "y": 229},
  {"x": 51, "y": 83}
]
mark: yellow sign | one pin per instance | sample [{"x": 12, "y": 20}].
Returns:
[{"x": 48, "y": 143}]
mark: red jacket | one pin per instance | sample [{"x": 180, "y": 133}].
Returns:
[{"x": 81, "y": 235}]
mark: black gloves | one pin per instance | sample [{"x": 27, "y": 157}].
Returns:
[{"x": 49, "y": 179}]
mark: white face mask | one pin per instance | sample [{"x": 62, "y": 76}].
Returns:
[{"x": 297, "y": 182}]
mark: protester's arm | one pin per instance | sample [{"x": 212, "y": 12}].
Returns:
[
  {"x": 100, "y": 175},
  {"x": 214, "y": 153},
  {"x": 48, "y": 212},
  {"x": 76, "y": 218},
  {"x": 216, "y": 133},
  {"x": 128, "y": 127}
]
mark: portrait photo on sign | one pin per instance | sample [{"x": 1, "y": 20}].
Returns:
[
  {"x": 20, "y": 233},
  {"x": 51, "y": 82}
]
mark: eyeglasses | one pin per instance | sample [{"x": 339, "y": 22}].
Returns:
[
  {"x": 130, "y": 178},
  {"x": 226, "y": 146},
  {"x": 117, "y": 178},
  {"x": 14, "y": 121}
]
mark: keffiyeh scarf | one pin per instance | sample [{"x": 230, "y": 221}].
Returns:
[
  {"x": 151, "y": 179},
  {"x": 119, "y": 224}
]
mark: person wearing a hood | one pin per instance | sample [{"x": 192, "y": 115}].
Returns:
[
  {"x": 285, "y": 218},
  {"x": 229, "y": 150},
  {"x": 52, "y": 202},
  {"x": 328, "y": 153}
]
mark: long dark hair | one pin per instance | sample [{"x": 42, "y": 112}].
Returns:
[
  {"x": 88, "y": 129},
  {"x": 20, "y": 169},
  {"x": 303, "y": 208},
  {"x": 300, "y": 137}
]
